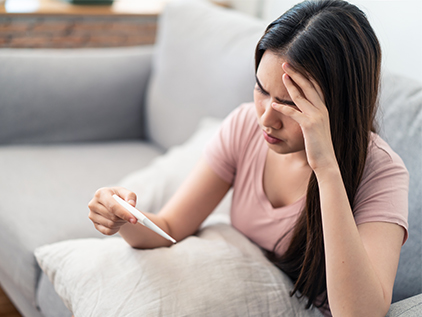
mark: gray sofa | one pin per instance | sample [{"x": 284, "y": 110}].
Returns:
[{"x": 72, "y": 121}]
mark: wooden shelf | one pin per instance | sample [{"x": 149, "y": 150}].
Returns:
[
  {"x": 60, "y": 24},
  {"x": 61, "y": 7}
]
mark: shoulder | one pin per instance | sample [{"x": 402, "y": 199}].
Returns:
[
  {"x": 226, "y": 149},
  {"x": 383, "y": 192},
  {"x": 382, "y": 159},
  {"x": 241, "y": 123},
  {"x": 244, "y": 114}
]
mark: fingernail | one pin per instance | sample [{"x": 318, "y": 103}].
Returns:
[
  {"x": 132, "y": 202},
  {"x": 133, "y": 220}
]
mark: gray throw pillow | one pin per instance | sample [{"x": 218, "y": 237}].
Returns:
[{"x": 203, "y": 66}]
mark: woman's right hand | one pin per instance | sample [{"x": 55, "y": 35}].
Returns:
[{"x": 107, "y": 214}]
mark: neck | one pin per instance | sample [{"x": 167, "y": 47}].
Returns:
[{"x": 297, "y": 159}]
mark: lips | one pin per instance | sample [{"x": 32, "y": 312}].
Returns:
[{"x": 270, "y": 139}]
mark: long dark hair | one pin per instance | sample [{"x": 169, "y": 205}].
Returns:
[{"x": 332, "y": 42}]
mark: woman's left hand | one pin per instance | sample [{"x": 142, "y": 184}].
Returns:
[{"x": 312, "y": 116}]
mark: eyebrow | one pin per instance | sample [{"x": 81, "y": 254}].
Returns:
[{"x": 279, "y": 100}]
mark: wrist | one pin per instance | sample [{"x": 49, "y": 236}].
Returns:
[{"x": 328, "y": 172}]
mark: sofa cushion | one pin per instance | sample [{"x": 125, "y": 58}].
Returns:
[
  {"x": 219, "y": 272},
  {"x": 400, "y": 121},
  {"x": 72, "y": 95},
  {"x": 410, "y": 307},
  {"x": 45, "y": 193},
  {"x": 48, "y": 301},
  {"x": 203, "y": 66},
  {"x": 156, "y": 183}
]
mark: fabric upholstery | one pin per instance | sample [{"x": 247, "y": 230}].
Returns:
[
  {"x": 45, "y": 192},
  {"x": 48, "y": 301},
  {"x": 156, "y": 183},
  {"x": 72, "y": 95},
  {"x": 410, "y": 307},
  {"x": 14, "y": 292},
  {"x": 177, "y": 281},
  {"x": 400, "y": 121},
  {"x": 203, "y": 66}
]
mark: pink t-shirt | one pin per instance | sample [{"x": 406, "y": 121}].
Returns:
[{"x": 238, "y": 153}]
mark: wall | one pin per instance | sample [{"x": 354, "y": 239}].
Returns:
[{"x": 397, "y": 23}]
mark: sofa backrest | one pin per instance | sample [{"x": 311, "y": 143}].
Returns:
[
  {"x": 204, "y": 67},
  {"x": 72, "y": 95},
  {"x": 400, "y": 121}
]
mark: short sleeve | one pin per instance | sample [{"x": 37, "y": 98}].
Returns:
[
  {"x": 383, "y": 193},
  {"x": 222, "y": 153}
]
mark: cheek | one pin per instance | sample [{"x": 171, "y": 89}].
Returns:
[
  {"x": 259, "y": 103},
  {"x": 293, "y": 127},
  {"x": 298, "y": 133}
]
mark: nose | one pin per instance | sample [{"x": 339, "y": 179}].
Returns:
[{"x": 271, "y": 118}]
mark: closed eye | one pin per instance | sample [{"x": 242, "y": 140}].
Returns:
[{"x": 260, "y": 89}]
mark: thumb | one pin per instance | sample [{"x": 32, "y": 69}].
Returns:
[{"x": 127, "y": 195}]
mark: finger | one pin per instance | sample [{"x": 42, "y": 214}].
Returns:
[
  {"x": 113, "y": 207},
  {"x": 120, "y": 212},
  {"x": 297, "y": 96},
  {"x": 105, "y": 223},
  {"x": 105, "y": 230},
  {"x": 289, "y": 111},
  {"x": 96, "y": 206},
  {"x": 306, "y": 85},
  {"x": 127, "y": 195},
  {"x": 106, "y": 219},
  {"x": 97, "y": 209},
  {"x": 318, "y": 89}
]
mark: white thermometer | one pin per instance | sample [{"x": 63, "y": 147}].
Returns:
[{"x": 142, "y": 219}]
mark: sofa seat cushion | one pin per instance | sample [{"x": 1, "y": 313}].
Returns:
[
  {"x": 57, "y": 183},
  {"x": 410, "y": 307},
  {"x": 48, "y": 301}
]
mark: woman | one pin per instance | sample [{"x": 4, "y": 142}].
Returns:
[{"x": 313, "y": 184}]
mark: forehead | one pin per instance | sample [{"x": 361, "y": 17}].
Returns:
[
  {"x": 269, "y": 74},
  {"x": 272, "y": 57},
  {"x": 271, "y": 65}
]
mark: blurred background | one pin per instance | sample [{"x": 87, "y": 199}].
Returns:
[
  {"x": 397, "y": 23},
  {"x": 68, "y": 24}
]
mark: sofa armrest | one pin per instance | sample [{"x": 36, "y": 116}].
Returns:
[
  {"x": 72, "y": 95},
  {"x": 409, "y": 307}
]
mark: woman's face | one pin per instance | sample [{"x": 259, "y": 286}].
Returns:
[{"x": 282, "y": 134}]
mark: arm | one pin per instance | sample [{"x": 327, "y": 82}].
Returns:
[
  {"x": 361, "y": 261},
  {"x": 180, "y": 217}
]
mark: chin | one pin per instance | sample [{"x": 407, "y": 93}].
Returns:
[
  {"x": 282, "y": 149},
  {"x": 278, "y": 149}
]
